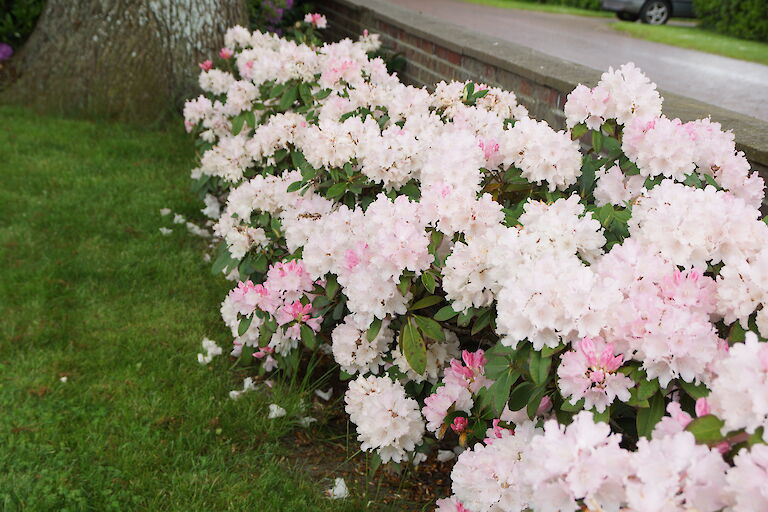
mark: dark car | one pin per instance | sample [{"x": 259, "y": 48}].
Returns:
[{"x": 654, "y": 12}]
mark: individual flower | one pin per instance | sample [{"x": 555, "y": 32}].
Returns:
[
  {"x": 591, "y": 372},
  {"x": 316, "y": 20}
]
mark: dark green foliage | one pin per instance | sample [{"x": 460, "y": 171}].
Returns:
[
  {"x": 18, "y": 19},
  {"x": 276, "y": 15},
  {"x": 747, "y": 19}
]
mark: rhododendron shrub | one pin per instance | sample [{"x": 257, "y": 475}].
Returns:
[{"x": 582, "y": 311}]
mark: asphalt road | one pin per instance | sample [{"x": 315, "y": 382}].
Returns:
[{"x": 729, "y": 83}]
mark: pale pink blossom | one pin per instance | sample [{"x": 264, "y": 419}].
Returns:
[{"x": 591, "y": 372}]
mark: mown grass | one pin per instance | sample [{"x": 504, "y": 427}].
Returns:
[
  {"x": 91, "y": 291},
  {"x": 534, "y": 6},
  {"x": 697, "y": 38}
]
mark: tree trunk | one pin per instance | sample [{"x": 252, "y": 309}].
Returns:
[{"x": 127, "y": 59}]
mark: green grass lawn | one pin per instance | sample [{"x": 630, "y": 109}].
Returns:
[
  {"x": 698, "y": 39},
  {"x": 533, "y": 6},
  {"x": 90, "y": 290}
]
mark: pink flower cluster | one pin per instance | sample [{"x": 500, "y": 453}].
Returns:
[
  {"x": 280, "y": 296},
  {"x": 461, "y": 381}
]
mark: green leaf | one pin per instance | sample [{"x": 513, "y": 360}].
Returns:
[
  {"x": 706, "y": 429},
  {"x": 245, "y": 323},
  {"x": 322, "y": 94},
  {"x": 308, "y": 337},
  {"x": 336, "y": 190},
  {"x": 428, "y": 279},
  {"x": 405, "y": 284},
  {"x": 569, "y": 407},
  {"x": 693, "y": 180},
  {"x": 756, "y": 437},
  {"x": 305, "y": 92},
  {"x": 597, "y": 140},
  {"x": 237, "y": 123},
  {"x": 519, "y": 396},
  {"x": 413, "y": 347},
  {"x": 612, "y": 147},
  {"x": 445, "y": 313},
  {"x": 288, "y": 98},
  {"x": 737, "y": 333},
  {"x": 296, "y": 185},
  {"x": 331, "y": 286},
  {"x": 496, "y": 365},
  {"x": 648, "y": 417},
  {"x": 483, "y": 321},
  {"x": 425, "y": 302},
  {"x": 647, "y": 388},
  {"x": 604, "y": 416},
  {"x": 499, "y": 391},
  {"x": 578, "y": 130},
  {"x": 711, "y": 181},
  {"x": 535, "y": 400},
  {"x": 223, "y": 260},
  {"x": 373, "y": 330},
  {"x": 695, "y": 391},
  {"x": 300, "y": 162},
  {"x": 429, "y": 328},
  {"x": 250, "y": 118},
  {"x": 265, "y": 335},
  {"x": 465, "y": 317},
  {"x": 539, "y": 367}
]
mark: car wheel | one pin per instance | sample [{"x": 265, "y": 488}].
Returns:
[
  {"x": 627, "y": 16},
  {"x": 655, "y": 12}
]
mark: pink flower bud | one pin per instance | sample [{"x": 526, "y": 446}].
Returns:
[
  {"x": 544, "y": 406},
  {"x": 702, "y": 407},
  {"x": 723, "y": 447},
  {"x": 226, "y": 53},
  {"x": 459, "y": 424},
  {"x": 206, "y": 65}
]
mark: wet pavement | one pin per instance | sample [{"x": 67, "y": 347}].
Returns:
[{"x": 729, "y": 83}]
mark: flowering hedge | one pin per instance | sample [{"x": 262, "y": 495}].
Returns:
[{"x": 583, "y": 311}]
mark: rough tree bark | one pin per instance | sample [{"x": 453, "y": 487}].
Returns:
[{"x": 128, "y": 59}]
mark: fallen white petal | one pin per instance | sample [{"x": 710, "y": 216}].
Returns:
[
  {"x": 339, "y": 490},
  {"x": 63, "y": 379},
  {"x": 165, "y": 211},
  {"x": 307, "y": 421},
  {"x": 445, "y": 455},
  {"x": 325, "y": 395},
  {"x": 166, "y": 231},
  {"x": 275, "y": 411}
]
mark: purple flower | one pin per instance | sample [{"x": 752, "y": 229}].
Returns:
[{"x": 5, "y": 51}]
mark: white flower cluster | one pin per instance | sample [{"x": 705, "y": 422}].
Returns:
[
  {"x": 740, "y": 389},
  {"x": 387, "y": 420},
  {"x": 556, "y": 468}
]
